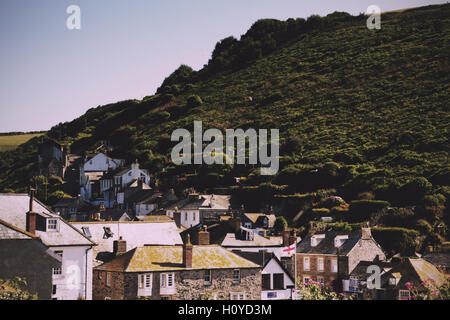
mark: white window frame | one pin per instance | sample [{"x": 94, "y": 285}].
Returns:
[
  {"x": 108, "y": 279},
  {"x": 57, "y": 271},
  {"x": 306, "y": 264},
  {"x": 320, "y": 264},
  {"x": 50, "y": 223},
  {"x": 237, "y": 279},
  {"x": 237, "y": 295},
  {"x": 207, "y": 277},
  {"x": 306, "y": 278},
  {"x": 167, "y": 280},
  {"x": 334, "y": 265},
  {"x": 403, "y": 293}
]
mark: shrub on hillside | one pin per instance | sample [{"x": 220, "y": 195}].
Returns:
[{"x": 194, "y": 101}]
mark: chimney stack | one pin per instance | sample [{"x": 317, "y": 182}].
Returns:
[
  {"x": 366, "y": 233},
  {"x": 286, "y": 238},
  {"x": 187, "y": 253},
  {"x": 119, "y": 246},
  {"x": 177, "y": 217},
  {"x": 31, "y": 216},
  {"x": 203, "y": 236}
]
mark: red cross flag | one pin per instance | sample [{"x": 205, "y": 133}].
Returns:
[{"x": 288, "y": 251}]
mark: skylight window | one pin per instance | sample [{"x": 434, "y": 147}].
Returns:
[
  {"x": 86, "y": 232},
  {"x": 108, "y": 233}
]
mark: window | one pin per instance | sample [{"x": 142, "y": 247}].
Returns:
[
  {"x": 108, "y": 233},
  {"x": 266, "y": 281},
  {"x": 306, "y": 263},
  {"x": 129, "y": 173},
  {"x": 59, "y": 253},
  {"x": 52, "y": 224},
  {"x": 167, "y": 280},
  {"x": 145, "y": 281},
  {"x": 54, "y": 289},
  {"x": 321, "y": 280},
  {"x": 236, "y": 276},
  {"x": 248, "y": 225},
  {"x": 207, "y": 277},
  {"x": 403, "y": 295},
  {"x": 306, "y": 280},
  {"x": 320, "y": 264},
  {"x": 108, "y": 279},
  {"x": 86, "y": 232},
  {"x": 99, "y": 275},
  {"x": 57, "y": 271},
  {"x": 334, "y": 266},
  {"x": 392, "y": 281},
  {"x": 278, "y": 281},
  {"x": 237, "y": 296}
]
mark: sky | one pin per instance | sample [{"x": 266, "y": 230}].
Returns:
[{"x": 124, "y": 49}]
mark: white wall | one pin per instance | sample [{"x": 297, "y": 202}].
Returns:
[
  {"x": 76, "y": 278},
  {"x": 272, "y": 268},
  {"x": 100, "y": 162}
]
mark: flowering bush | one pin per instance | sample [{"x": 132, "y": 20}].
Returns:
[
  {"x": 429, "y": 290},
  {"x": 313, "y": 290},
  {"x": 11, "y": 290}
]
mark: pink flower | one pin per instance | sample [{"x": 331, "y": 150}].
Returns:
[
  {"x": 435, "y": 292},
  {"x": 341, "y": 294},
  {"x": 408, "y": 285}
]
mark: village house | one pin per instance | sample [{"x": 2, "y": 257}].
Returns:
[
  {"x": 198, "y": 208},
  {"x": 116, "y": 237},
  {"x": 22, "y": 254},
  {"x": 74, "y": 209},
  {"x": 261, "y": 223},
  {"x": 329, "y": 257},
  {"x": 52, "y": 159},
  {"x": 277, "y": 282},
  {"x": 413, "y": 271},
  {"x": 71, "y": 281},
  {"x": 441, "y": 260},
  {"x": 114, "y": 183},
  {"x": 187, "y": 272}
]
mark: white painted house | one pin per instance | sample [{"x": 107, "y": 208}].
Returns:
[
  {"x": 196, "y": 208},
  {"x": 74, "y": 279},
  {"x": 277, "y": 283}
]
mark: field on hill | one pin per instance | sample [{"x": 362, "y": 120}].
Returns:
[{"x": 13, "y": 141}]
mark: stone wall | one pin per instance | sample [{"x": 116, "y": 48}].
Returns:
[{"x": 189, "y": 285}]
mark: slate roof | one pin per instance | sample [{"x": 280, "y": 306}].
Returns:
[
  {"x": 326, "y": 246},
  {"x": 257, "y": 218},
  {"x": 135, "y": 233},
  {"x": 170, "y": 258},
  {"x": 13, "y": 209},
  {"x": 8, "y": 231},
  {"x": 438, "y": 259},
  {"x": 210, "y": 201}
]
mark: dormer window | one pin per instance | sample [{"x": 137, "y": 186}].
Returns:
[
  {"x": 339, "y": 241},
  {"x": 250, "y": 235},
  {"x": 316, "y": 239},
  {"x": 86, "y": 232},
  {"x": 52, "y": 224}
]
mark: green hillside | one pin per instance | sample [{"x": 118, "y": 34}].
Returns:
[{"x": 362, "y": 114}]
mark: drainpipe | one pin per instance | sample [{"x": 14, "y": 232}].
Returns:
[{"x": 86, "y": 273}]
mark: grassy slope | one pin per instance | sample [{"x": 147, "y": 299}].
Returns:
[{"x": 12, "y": 142}]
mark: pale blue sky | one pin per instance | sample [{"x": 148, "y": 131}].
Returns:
[{"x": 125, "y": 49}]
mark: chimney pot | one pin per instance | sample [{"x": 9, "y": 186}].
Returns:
[
  {"x": 203, "y": 237},
  {"x": 187, "y": 253}
]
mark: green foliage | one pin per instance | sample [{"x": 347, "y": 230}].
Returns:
[
  {"x": 194, "y": 101},
  {"x": 397, "y": 240},
  {"x": 361, "y": 210},
  {"x": 280, "y": 224},
  {"x": 317, "y": 291},
  {"x": 13, "y": 289}
]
